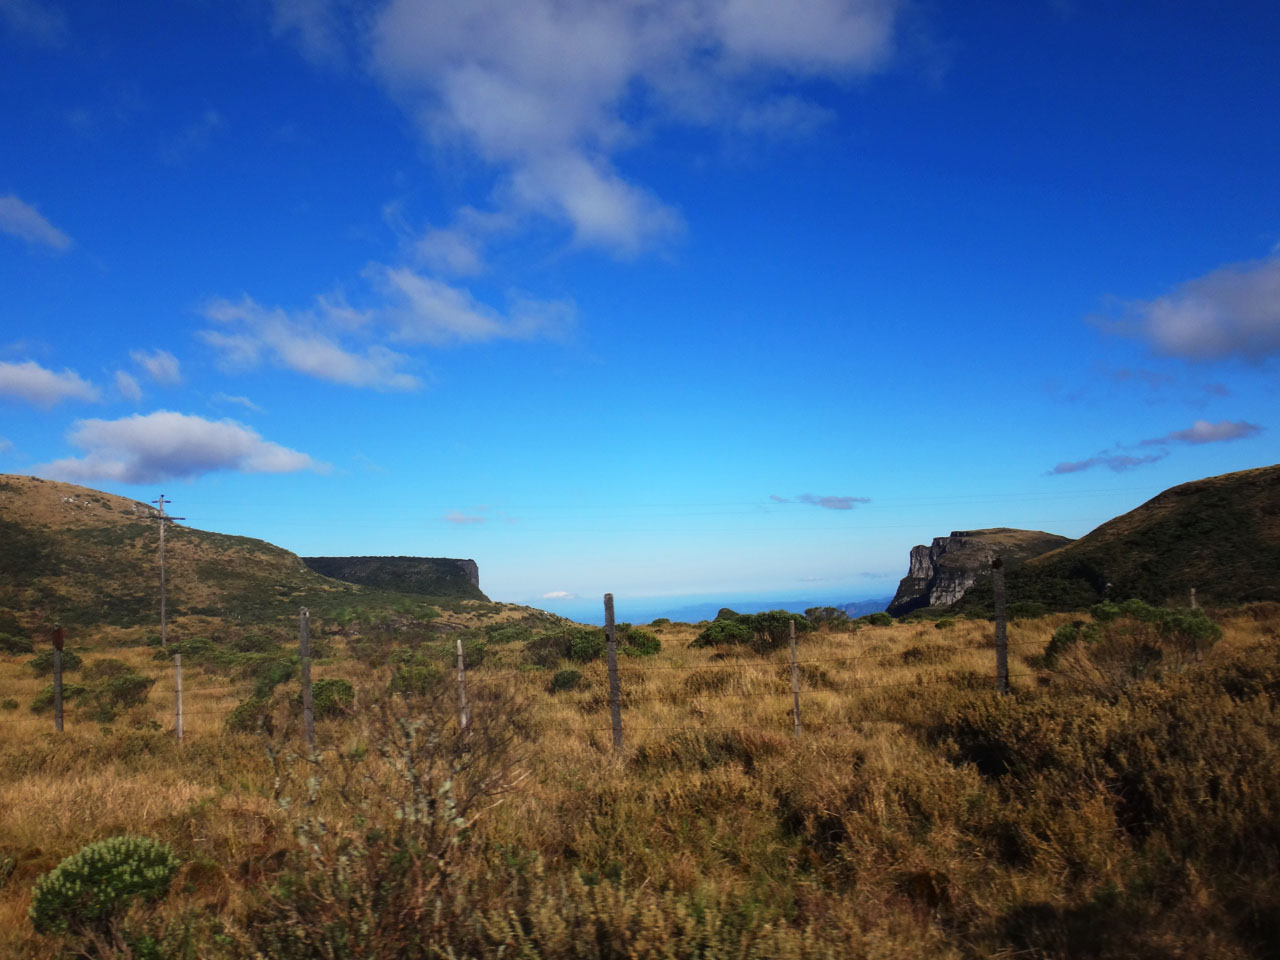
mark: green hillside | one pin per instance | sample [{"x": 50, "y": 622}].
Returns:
[
  {"x": 1220, "y": 535},
  {"x": 88, "y": 558}
]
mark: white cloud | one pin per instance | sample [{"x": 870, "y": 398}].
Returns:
[
  {"x": 26, "y": 223},
  {"x": 43, "y": 388},
  {"x": 161, "y": 365},
  {"x": 1232, "y": 312},
  {"x": 551, "y": 95},
  {"x": 128, "y": 387},
  {"x": 5, "y": 444},
  {"x": 239, "y": 401},
  {"x": 298, "y": 342},
  {"x": 462, "y": 519},
  {"x": 425, "y": 310},
  {"x": 167, "y": 446},
  {"x": 37, "y": 22},
  {"x": 827, "y": 502},
  {"x": 1202, "y": 431},
  {"x": 559, "y": 595}
]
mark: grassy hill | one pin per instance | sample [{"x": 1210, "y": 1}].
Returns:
[
  {"x": 88, "y": 558},
  {"x": 1220, "y": 535}
]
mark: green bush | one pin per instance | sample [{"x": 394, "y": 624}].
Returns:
[
  {"x": 104, "y": 698},
  {"x": 508, "y": 633},
  {"x": 828, "y": 618},
  {"x": 879, "y": 619},
  {"x": 565, "y": 680},
  {"x": 89, "y": 891},
  {"x": 331, "y": 697},
  {"x": 724, "y": 632},
  {"x": 661, "y": 622},
  {"x": 637, "y": 643},
  {"x": 106, "y": 667},
  {"x": 1025, "y": 610},
  {"x": 42, "y": 665},
  {"x": 944, "y": 623},
  {"x": 415, "y": 676},
  {"x": 43, "y": 702},
  {"x": 250, "y": 715},
  {"x": 18, "y": 645},
  {"x": 586, "y": 645},
  {"x": 273, "y": 674},
  {"x": 9, "y": 704}
]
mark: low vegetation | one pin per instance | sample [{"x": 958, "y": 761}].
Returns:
[{"x": 1121, "y": 802}]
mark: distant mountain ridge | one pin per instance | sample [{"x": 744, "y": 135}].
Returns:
[
  {"x": 83, "y": 557},
  {"x": 428, "y": 576}
]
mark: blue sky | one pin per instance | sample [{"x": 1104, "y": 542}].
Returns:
[{"x": 657, "y": 297}]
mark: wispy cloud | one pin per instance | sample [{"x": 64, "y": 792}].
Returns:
[
  {"x": 1232, "y": 312},
  {"x": 161, "y": 365},
  {"x": 5, "y": 444},
  {"x": 167, "y": 446},
  {"x": 559, "y": 595},
  {"x": 827, "y": 502},
  {"x": 34, "y": 21},
  {"x": 224, "y": 398},
  {"x": 462, "y": 519},
  {"x": 306, "y": 342},
  {"x": 25, "y": 222},
  {"x": 193, "y": 138},
  {"x": 550, "y": 100},
  {"x": 1116, "y": 462},
  {"x": 127, "y": 386},
  {"x": 30, "y": 382},
  {"x": 1200, "y": 432}
]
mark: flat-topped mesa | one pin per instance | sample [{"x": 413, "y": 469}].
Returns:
[
  {"x": 940, "y": 574},
  {"x": 428, "y": 576}
]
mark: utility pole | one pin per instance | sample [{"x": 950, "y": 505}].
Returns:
[{"x": 164, "y": 637}]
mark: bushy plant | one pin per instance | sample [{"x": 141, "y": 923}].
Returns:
[
  {"x": 15, "y": 645},
  {"x": 104, "y": 698},
  {"x": 89, "y": 891},
  {"x": 272, "y": 674},
  {"x": 944, "y": 623},
  {"x": 414, "y": 676},
  {"x": 565, "y": 680},
  {"x": 250, "y": 715},
  {"x": 634, "y": 642},
  {"x": 828, "y": 618},
  {"x": 331, "y": 697},
  {"x": 42, "y": 665},
  {"x": 724, "y": 633},
  {"x": 509, "y": 633},
  {"x": 1025, "y": 610},
  {"x": 879, "y": 619},
  {"x": 9, "y": 704},
  {"x": 43, "y": 702},
  {"x": 586, "y": 645},
  {"x": 104, "y": 668}
]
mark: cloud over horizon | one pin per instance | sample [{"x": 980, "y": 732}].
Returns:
[
  {"x": 170, "y": 446},
  {"x": 827, "y": 503},
  {"x": 41, "y": 387}
]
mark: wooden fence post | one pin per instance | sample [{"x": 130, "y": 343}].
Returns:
[
  {"x": 1193, "y": 598},
  {"x": 615, "y": 687},
  {"x": 1002, "y": 638},
  {"x": 177, "y": 695},
  {"x": 795, "y": 677},
  {"x": 304, "y": 655},
  {"x": 58, "y": 639},
  {"x": 464, "y": 711}
]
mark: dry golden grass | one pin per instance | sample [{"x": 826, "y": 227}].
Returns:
[{"x": 862, "y": 830}]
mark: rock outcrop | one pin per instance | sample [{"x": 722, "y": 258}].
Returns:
[{"x": 942, "y": 573}]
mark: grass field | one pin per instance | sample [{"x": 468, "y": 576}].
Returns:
[{"x": 917, "y": 814}]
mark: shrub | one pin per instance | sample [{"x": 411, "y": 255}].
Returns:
[
  {"x": 257, "y": 643},
  {"x": 722, "y": 632},
  {"x": 944, "y": 623},
  {"x": 505, "y": 633},
  {"x": 42, "y": 665},
  {"x": 587, "y": 645},
  {"x": 18, "y": 645},
  {"x": 89, "y": 891},
  {"x": 273, "y": 674},
  {"x": 9, "y": 704},
  {"x": 106, "y": 697},
  {"x": 661, "y": 622},
  {"x": 1026, "y": 610},
  {"x": 879, "y": 619},
  {"x": 43, "y": 702},
  {"x": 415, "y": 677},
  {"x": 828, "y": 618},
  {"x": 331, "y": 697},
  {"x": 250, "y": 715},
  {"x": 565, "y": 680},
  {"x": 637, "y": 643},
  {"x": 107, "y": 667}
]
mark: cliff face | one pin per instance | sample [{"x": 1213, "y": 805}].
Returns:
[
  {"x": 428, "y": 576},
  {"x": 942, "y": 573}
]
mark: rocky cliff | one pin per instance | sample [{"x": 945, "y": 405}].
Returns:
[
  {"x": 428, "y": 576},
  {"x": 940, "y": 574}
]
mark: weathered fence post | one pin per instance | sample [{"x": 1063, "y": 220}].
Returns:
[
  {"x": 795, "y": 677},
  {"x": 1193, "y": 598},
  {"x": 57, "y": 638},
  {"x": 304, "y": 655},
  {"x": 464, "y": 711},
  {"x": 177, "y": 695},
  {"x": 615, "y": 687},
  {"x": 1002, "y": 638}
]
